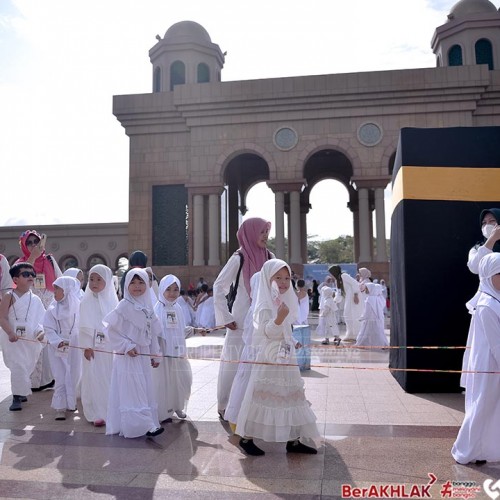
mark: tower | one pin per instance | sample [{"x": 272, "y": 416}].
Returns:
[{"x": 185, "y": 54}]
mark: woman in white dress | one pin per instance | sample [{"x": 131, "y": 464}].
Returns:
[
  {"x": 275, "y": 408},
  {"x": 478, "y": 438},
  {"x": 372, "y": 322},
  {"x": 353, "y": 305},
  {"x": 490, "y": 228},
  {"x": 245, "y": 262}
]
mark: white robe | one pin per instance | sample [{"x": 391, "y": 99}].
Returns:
[
  {"x": 206, "y": 310},
  {"x": 172, "y": 380},
  {"x": 96, "y": 372},
  {"x": 132, "y": 407},
  {"x": 475, "y": 256},
  {"x": 372, "y": 322},
  {"x": 233, "y": 341},
  {"x": 66, "y": 362},
  {"x": 21, "y": 357},
  {"x": 479, "y": 436},
  {"x": 327, "y": 322},
  {"x": 352, "y": 311}
]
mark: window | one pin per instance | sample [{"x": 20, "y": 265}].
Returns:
[
  {"x": 484, "y": 53},
  {"x": 455, "y": 56},
  {"x": 177, "y": 74},
  {"x": 157, "y": 80},
  {"x": 203, "y": 73},
  {"x": 68, "y": 261},
  {"x": 95, "y": 259}
]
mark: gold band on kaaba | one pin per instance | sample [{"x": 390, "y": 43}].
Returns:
[{"x": 446, "y": 183}]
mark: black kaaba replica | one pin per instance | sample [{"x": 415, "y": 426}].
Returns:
[{"x": 442, "y": 180}]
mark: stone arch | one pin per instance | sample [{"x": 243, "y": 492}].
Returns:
[
  {"x": 244, "y": 148},
  {"x": 388, "y": 156}
]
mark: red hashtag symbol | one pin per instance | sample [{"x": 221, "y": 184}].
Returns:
[{"x": 446, "y": 490}]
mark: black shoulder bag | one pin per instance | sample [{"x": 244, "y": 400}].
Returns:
[{"x": 231, "y": 296}]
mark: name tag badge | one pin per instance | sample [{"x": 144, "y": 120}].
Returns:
[
  {"x": 40, "y": 281},
  {"x": 171, "y": 319},
  {"x": 99, "y": 338},
  {"x": 284, "y": 352},
  {"x": 20, "y": 329}
]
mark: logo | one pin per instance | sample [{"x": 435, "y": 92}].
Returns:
[{"x": 492, "y": 489}]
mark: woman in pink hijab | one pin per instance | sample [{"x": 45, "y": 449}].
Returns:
[
  {"x": 32, "y": 245},
  {"x": 241, "y": 266}
]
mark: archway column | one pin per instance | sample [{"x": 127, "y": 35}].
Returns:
[
  {"x": 381, "y": 255},
  {"x": 198, "y": 230},
  {"x": 364, "y": 226},
  {"x": 213, "y": 230},
  {"x": 294, "y": 226}
]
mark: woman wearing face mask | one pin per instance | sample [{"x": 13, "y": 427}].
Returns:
[{"x": 489, "y": 220}]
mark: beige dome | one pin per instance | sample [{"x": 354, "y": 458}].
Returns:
[
  {"x": 187, "y": 31},
  {"x": 466, "y": 8}
]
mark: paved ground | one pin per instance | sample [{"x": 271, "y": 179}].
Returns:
[{"x": 373, "y": 434}]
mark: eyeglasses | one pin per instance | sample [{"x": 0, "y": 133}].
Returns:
[{"x": 27, "y": 274}]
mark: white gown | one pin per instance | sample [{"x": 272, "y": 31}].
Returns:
[
  {"x": 352, "y": 311},
  {"x": 372, "y": 322},
  {"x": 132, "y": 407},
  {"x": 21, "y": 357},
  {"x": 172, "y": 380},
  {"x": 479, "y": 435}
]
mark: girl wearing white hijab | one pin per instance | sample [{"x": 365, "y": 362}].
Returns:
[
  {"x": 173, "y": 379},
  {"x": 74, "y": 272},
  {"x": 61, "y": 323},
  {"x": 133, "y": 329},
  {"x": 274, "y": 407},
  {"x": 99, "y": 299},
  {"x": 372, "y": 322},
  {"x": 478, "y": 438}
]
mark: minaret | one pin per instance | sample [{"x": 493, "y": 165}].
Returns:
[
  {"x": 470, "y": 36},
  {"x": 185, "y": 54}
]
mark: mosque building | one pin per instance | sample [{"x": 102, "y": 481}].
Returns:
[{"x": 199, "y": 144}]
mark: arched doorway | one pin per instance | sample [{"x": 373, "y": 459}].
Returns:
[{"x": 241, "y": 173}]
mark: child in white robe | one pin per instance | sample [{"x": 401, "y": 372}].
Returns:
[
  {"x": 21, "y": 316},
  {"x": 372, "y": 322},
  {"x": 99, "y": 299},
  {"x": 187, "y": 308},
  {"x": 133, "y": 329},
  {"x": 173, "y": 379},
  {"x": 274, "y": 407},
  {"x": 206, "y": 310},
  {"x": 61, "y": 323},
  {"x": 478, "y": 438},
  {"x": 74, "y": 272},
  {"x": 327, "y": 323}
]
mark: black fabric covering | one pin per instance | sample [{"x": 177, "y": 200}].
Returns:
[{"x": 430, "y": 241}]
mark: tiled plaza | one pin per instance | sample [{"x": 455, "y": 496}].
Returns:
[{"x": 373, "y": 434}]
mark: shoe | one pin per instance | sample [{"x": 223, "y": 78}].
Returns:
[
  {"x": 16, "y": 404},
  {"x": 46, "y": 386},
  {"x": 23, "y": 399},
  {"x": 155, "y": 432},
  {"x": 221, "y": 415},
  {"x": 180, "y": 414},
  {"x": 480, "y": 462},
  {"x": 250, "y": 448},
  {"x": 99, "y": 422},
  {"x": 298, "y": 447},
  {"x": 326, "y": 342},
  {"x": 60, "y": 415},
  {"x": 336, "y": 341},
  {"x": 72, "y": 410}
]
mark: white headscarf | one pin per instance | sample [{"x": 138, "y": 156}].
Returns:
[
  {"x": 163, "y": 303},
  {"x": 488, "y": 267},
  {"x": 70, "y": 304},
  {"x": 264, "y": 300},
  {"x": 73, "y": 272},
  {"x": 364, "y": 273},
  {"x": 144, "y": 301},
  {"x": 95, "y": 306}
]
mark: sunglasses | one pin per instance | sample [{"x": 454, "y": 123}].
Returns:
[
  {"x": 27, "y": 274},
  {"x": 32, "y": 242}
]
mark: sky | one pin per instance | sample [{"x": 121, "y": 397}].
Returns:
[{"x": 61, "y": 61}]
